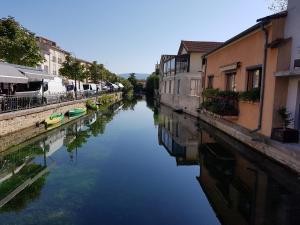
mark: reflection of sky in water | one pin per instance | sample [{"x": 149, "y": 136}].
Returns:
[{"x": 117, "y": 173}]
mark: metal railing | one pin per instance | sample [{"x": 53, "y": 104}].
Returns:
[{"x": 9, "y": 103}]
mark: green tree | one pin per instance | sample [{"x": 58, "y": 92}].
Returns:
[
  {"x": 132, "y": 79},
  {"x": 17, "y": 44},
  {"x": 152, "y": 83},
  {"x": 72, "y": 69},
  {"x": 95, "y": 72}
]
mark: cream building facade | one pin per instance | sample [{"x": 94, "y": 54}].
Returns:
[
  {"x": 181, "y": 76},
  {"x": 53, "y": 54}
]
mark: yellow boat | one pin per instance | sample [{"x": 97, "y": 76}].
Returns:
[{"x": 54, "y": 119}]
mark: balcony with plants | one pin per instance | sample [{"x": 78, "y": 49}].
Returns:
[{"x": 223, "y": 103}]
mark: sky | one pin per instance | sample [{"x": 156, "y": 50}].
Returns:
[{"x": 131, "y": 35}]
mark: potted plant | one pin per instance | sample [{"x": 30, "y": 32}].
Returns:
[{"x": 285, "y": 134}]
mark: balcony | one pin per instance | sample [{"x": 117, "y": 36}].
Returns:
[
  {"x": 176, "y": 64},
  {"x": 223, "y": 103}
]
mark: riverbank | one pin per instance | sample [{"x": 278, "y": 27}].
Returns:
[
  {"x": 285, "y": 154},
  {"x": 17, "y": 127}
]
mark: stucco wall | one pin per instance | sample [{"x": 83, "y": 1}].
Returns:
[
  {"x": 249, "y": 51},
  {"x": 292, "y": 28}
]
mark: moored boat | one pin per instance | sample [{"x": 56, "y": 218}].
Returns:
[
  {"x": 54, "y": 119},
  {"x": 77, "y": 111}
]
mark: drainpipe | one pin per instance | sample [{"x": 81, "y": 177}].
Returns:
[
  {"x": 263, "y": 77},
  {"x": 204, "y": 80}
]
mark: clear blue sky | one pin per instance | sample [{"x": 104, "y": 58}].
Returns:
[{"x": 130, "y": 35}]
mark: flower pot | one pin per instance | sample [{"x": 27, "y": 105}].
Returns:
[{"x": 285, "y": 135}]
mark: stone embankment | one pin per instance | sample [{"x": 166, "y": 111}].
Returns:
[
  {"x": 12, "y": 122},
  {"x": 285, "y": 154}
]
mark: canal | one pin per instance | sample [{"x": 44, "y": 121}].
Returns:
[{"x": 137, "y": 164}]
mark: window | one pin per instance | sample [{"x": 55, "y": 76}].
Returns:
[
  {"x": 195, "y": 87},
  {"x": 170, "y": 86},
  {"x": 169, "y": 67},
  {"x": 59, "y": 60},
  {"x": 210, "y": 82},
  {"x": 182, "y": 64},
  {"x": 178, "y": 87},
  {"x": 230, "y": 82},
  {"x": 53, "y": 59},
  {"x": 254, "y": 77},
  {"x": 165, "y": 87}
]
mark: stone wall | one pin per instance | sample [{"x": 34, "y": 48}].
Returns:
[{"x": 19, "y": 120}]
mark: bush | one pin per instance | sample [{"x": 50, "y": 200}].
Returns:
[
  {"x": 252, "y": 96},
  {"x": 210, "y": 92}
]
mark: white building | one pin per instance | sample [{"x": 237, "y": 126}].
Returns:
[
  {"x": 53, "y": 54},
  {"x": 292, "y": 36},
  {"x": 181, "y": 76}
]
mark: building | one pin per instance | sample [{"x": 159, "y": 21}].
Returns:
[
  {"x": 181, "y": 76},
  {"x": 247, "y": 64},
  {"x": 292, "y": 74},
  {"x": 53, "y": 54}
]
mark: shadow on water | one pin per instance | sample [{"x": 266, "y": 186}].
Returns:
[{"x": 242, "y": 186}]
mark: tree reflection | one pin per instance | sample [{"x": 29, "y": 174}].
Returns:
[{"x": 29, "y": 194}]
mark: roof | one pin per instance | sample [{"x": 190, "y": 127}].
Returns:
[
  {"x": 273, "y": 16},
  {"x": 198, "y": 46},
  {"x": 261, "y": 21},
  {"x": 10, "y": 74},
  {"x": 52, "y": 44}
]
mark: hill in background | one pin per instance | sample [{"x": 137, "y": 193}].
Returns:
[{"x": 139, "y": 76}]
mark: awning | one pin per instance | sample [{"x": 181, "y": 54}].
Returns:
[
  {"x": 35, "y": 74},
  {"x": 9, "y": 74}
]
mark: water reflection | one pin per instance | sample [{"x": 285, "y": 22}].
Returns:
[
  {"x": 23, "y": 168},
  {"x": 242, "y": 186}
]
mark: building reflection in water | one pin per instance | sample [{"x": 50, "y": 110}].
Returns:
[{"x": 242, "y": 186}]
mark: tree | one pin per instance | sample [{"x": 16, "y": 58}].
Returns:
[
  {"x": 72, "y": 69},
  {"x": 17, "y": 44},
  {"x": 132, "y": 79},
  {"x": 152, "y": 83},
  {"x": 94, "y": 72},
  {"x": 278, "y": 5}
]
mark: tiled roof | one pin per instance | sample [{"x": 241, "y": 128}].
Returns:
[{"x": 199, "y": 46}]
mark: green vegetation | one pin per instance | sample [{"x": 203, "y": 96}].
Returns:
[
  {"x": 220, "y": 102},
  {"x": 28, "y": 171},
  {"x": 20, "y": 202},
  {"x": 137, "y": 87},
  {"x": 72, "y": 69},
  {"x": 285, "y": 116},
  {"x": 152, "y": 84},
  {"x": 105, "y": 99},
  {"x": 252, "y": 96},
  {"x": 17, "y": 44}
]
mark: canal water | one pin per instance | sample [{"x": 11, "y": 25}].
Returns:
[{"x": 137, "y": 164}]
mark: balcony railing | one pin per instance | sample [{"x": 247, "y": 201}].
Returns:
[{"x": 222, "y": 105}]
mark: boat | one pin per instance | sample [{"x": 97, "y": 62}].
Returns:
[
  {"x": 76, "y": 111},
  {"x": 54, "y": 119}
]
